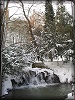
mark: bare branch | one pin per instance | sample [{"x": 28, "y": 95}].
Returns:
[
  {"x": 14, "y": 6},
  {"x": 33, "y": 38},
  {"x": 30, "y": 9},
  {"x": 24, "y": 11},
  {"x": 14, "y": 13}
]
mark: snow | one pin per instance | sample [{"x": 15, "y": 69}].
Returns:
[
  {"x": 58, "y": 59},
  {"x": 69, "y": 40},
  {"x": 59, "y": 45},
  {"x": 38, "y": 70},
  {"x": 70, "y": 51},
  {"x": 70, "y": 97},
  {"x": 36, "y": 61},
  {"x": 6, "y": 85}
]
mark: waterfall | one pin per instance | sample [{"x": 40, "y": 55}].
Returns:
[{"x": 35, "y": 76}]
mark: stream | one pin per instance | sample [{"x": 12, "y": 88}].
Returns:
[{"x": 50, "y": 91}]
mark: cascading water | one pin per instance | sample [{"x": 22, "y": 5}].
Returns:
[{"x": 35, "y": 76}]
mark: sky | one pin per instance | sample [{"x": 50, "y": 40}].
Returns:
[{"x": 13, "y": 7}]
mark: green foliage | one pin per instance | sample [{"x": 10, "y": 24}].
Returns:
[
  {"x": 49, "y": 26},
  {"x": 49, "y": 17},
  {"x": 64, "y": 22}
]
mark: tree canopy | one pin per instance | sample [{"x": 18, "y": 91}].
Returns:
[{"x": 64, "y": 23}]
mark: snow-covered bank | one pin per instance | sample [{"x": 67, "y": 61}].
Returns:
[
  {"x": 70, "y": 97},
  {"x": 6, "y": 84},
  {"x": 65, "y": 71}
]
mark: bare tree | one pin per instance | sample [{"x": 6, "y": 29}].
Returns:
[{"x": 29, "y": 24}]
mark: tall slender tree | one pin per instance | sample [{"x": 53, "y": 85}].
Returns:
[
  {"x": 49, "y": 27},
  {"x": 49, "y": 14}
]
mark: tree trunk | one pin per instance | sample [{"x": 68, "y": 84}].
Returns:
[
  {"x": 2, "y": 35},
  {"x": 3, "y": 10},
  {"x": 74, "y": 27},
  {"x": 30, "y": 29}
]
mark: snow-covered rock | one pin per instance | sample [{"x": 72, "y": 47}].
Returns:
[
  {"x": 64, "y": 71},
  {"x": 70, "y": 97}
]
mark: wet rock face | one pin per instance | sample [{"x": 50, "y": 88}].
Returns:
[
  {"x": 52, "y": 78},
  {"x": 32, "y": 73},
  {"x": 13, "y": 82},
  {"x": 56, "y": 79},
  {"x": 49, "y": 79},
  {"x": 35, "y": 77}
]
